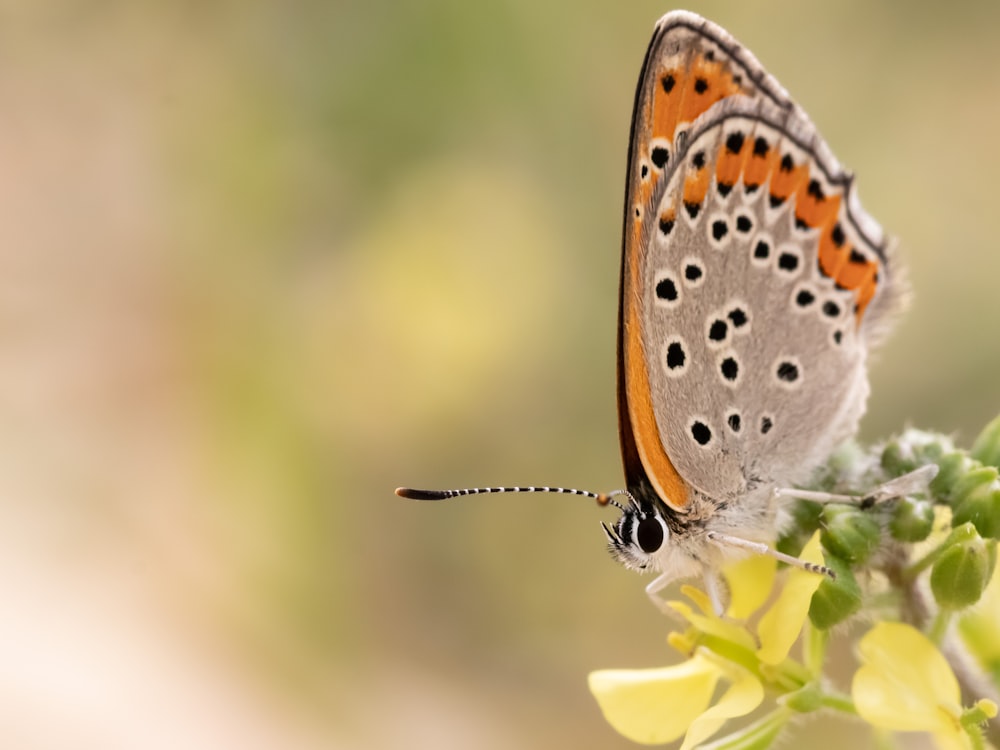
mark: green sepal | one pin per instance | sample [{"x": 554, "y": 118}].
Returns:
[
  {"x": 986, "y": 447},
  {"x": 960, "y": 573},
  {"x": 805, "y": 700},
  {"x": 849, "y": 532},
  {"x": 977, "y": 500},
  {"x": 913, "y": 449},
  {"x": 805, "y": 519},
  {"x": 835, "y": 600},
  {"x": 952, "y": 467},
  {"x": 912, "y": 519}
]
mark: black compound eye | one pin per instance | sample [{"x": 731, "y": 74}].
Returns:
[{"x": 649, "y": 535}]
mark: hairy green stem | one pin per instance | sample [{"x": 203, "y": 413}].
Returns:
[{"x": 839, "y": 702}]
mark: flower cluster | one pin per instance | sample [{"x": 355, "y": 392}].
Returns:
[{"x": 913, "y": 664}]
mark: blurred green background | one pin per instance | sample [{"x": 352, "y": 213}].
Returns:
[{"x": 262, "y": 263}]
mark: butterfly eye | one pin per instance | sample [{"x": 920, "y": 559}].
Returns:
[{"x": 650, "y": 534}]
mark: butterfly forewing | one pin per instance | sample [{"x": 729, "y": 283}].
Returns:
[{"x": 690, "y": 66}]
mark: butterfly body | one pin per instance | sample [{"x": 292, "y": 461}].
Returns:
[{"x": 753, "y": 286}]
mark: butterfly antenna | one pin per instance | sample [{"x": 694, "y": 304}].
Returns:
[{"x": 601, "y": 497}]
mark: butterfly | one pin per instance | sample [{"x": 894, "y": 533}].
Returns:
[{"x": 753, "y": 286}]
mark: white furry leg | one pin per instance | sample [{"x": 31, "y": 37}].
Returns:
[
  {"x": 714, "y": 595},
  {"x": 653, "y": 590},
  {"x": 663, "y": 580},
  {"x": 916, "y": 481},
  {"x": 763, "y": 549}
]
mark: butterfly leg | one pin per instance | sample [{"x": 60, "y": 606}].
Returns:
[
  {"x": 763, "y": 549},
  {"x": 915, "y": 481},
  {"x": 653, "y": 592},
  {"x": 665, "y": 579},
  {"x": 654, "y": 588},
  {"x": 714, "y": 595}
]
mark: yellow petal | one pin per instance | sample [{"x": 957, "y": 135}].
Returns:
[
  {"x": 714, "y": 625},
  {"x": 905, "y": 684},
  {"x": 699, "y": 597},
  {"x": 653, "y": 706},
  {"x": 750, "y": 582},
  {"x": 979, "y": 625},
  {"x": 781, "y": 625},
  {"x": 744, "y": 694}
]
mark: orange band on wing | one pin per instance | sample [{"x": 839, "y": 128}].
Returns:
[
  {"x": 731, "y": 160},
  {"x": 681, "y": 94},
  {"x": 785, "y": 180},
  {"x": 660, "y": 471},
  {"x": 759, "y": 164},
  {"x": 833, "y": 250},
  {"x": 838, "y": 259},
  {"x": 855, "y": 272},
  {"x": 696, "y": 186},
  {"x": 813, "y": 208},
  {"x": 865, "y": 292},
  {"x": 849, "y": 268},
  {"x": 668, "y": 93}
]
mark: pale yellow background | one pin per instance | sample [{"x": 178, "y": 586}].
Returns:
[{"x": 262, "y": 262}]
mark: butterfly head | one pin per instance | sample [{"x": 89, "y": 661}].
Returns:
[{"x": 639, "y": 535}]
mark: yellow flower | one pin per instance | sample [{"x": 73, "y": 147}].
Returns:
[
  {"x": 781, "y": 625},
  {"x": 750, "y": 582},
  {"x": 654, "y": 706},
  {"x": 906, "y": 685},
  {"x": 980, "y": 626}
]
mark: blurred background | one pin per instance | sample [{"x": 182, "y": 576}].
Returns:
[{"x": 264, "y": 262}]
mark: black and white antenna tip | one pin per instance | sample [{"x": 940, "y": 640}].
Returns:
[{"x": 415, "y": 494}]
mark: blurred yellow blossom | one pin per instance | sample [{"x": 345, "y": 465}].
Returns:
[
  {"x": 653, "y": 706},
  {"x": 905, "y": 684},
  {"x": 980, "y": 628}
]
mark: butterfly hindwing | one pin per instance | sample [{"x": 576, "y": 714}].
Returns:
[
  {"x": 751, "y": 278},
  {"x": 757, "y": 363}
]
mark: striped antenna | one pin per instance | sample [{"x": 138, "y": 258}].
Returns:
[{"x": 601, "y": 497}]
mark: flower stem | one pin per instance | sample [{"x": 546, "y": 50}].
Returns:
[
  {"x": 939, "y": 626},
  {"x": 839, "y": 702},
  {"x": 757, "y": 736},
  {"x": 814, "y": 644}
]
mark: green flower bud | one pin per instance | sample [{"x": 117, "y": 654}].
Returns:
[
  {"x": 953, "y": 466},
  {"x": 841, "y": 464},
  {"x": 960, "y": 574},
  {"x": 805, "y": 700},
  {"x": 928, "y": 447},
  {"x": 971, "y": 481},
  {"x": 976, "y": 498},
  {"x": 912, "y": 519},
  {"x": 805, "y": 518},
  {"x": 986, "y": 448},
  {"x": 982, "y": 711},
  {"x": 835, "y": 600},
  {"x": 897, "y": 458},
  {"x": 849, "y": 532},
  {"x": 912, "y": 449}
]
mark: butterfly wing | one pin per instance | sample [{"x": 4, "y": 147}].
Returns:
[{"x": 752, "y": 281}]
